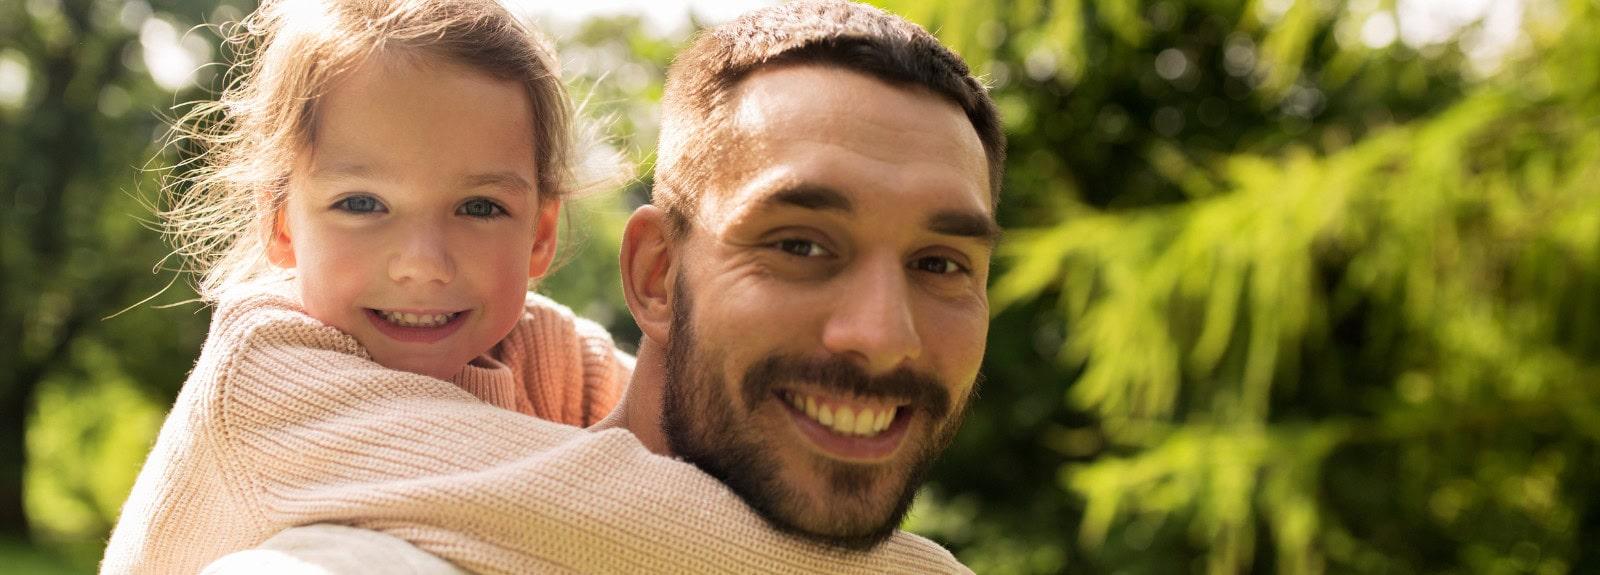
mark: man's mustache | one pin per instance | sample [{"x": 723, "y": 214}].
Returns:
[{"x": 841, "y": 375}]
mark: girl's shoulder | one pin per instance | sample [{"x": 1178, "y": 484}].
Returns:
[
  {"x": 541, "y": 311},
  {"x": 570, "y": 349}
]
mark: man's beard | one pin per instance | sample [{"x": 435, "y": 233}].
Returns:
[{"x": 703, "y": 426}]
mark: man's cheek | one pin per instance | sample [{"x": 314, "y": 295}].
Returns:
[{"x": 958, "y": 320}]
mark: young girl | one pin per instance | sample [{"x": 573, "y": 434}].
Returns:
[
  {"x": 386, "y": 177},
  {"x": 374, "y": 194}
]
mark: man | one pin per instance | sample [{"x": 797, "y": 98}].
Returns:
[
  {"x": 810, "y": 276},
  {"x": 810, "y": 283}
]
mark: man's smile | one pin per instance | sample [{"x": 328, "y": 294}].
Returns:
[{"x": 857, "y": 429}]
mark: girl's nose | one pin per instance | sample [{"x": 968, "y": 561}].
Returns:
[{"x": 422, "y": 257}]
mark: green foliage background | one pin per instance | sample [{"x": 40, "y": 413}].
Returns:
[{"x": 1271, "y": 299}]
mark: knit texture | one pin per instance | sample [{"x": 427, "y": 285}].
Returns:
[{"x": 285, "y": 422}]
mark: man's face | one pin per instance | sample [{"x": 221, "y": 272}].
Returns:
[{"x": 830, "y": 312}]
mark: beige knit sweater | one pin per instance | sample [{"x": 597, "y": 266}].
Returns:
[{"x": 285, "y": 422}]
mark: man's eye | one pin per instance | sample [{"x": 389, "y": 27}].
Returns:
[
  {"x": 481, "y": 208},
  {"x": 802, "y": 248},
  {"x": 358, "y": 205},
  {"x": 938, "y": 265}
]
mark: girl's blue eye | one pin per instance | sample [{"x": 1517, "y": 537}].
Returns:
[
  {"x": 359, "y": 204},
  {"x": 481, "y": 208}
]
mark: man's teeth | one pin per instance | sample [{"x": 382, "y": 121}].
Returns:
[
  {"x": 843, "y": 419},
  {"x": 416, "y": 320}
]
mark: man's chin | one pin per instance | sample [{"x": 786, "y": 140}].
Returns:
[
  {"x": 848, "y": 505},
  {"x": 851, "y": 540}
]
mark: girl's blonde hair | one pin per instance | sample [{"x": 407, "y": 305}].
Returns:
[{"x": 219, "y": 214}]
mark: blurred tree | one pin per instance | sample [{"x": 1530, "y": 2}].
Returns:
[
  {"x": 76, "y": 125},
  {"x": 614, "y": 69},
  {"x": 1317, "y": 299}
]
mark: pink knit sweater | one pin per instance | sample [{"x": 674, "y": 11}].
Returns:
[{"x": 285, "y": 422}]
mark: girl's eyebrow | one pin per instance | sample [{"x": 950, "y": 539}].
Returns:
[
  {"x": 505, "y": 180},
  {"x": 340, "y": 170},
  {"x": 343, "y": 168}
]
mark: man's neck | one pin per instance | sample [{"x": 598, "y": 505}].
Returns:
[{"x": 639, "y": 411}]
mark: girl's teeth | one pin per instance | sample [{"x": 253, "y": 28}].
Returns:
[{"x": 417, "y": 320}]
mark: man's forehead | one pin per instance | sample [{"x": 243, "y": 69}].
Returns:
[
  {"x": 828, "y": 102},
  {"x": 813, "y": 127}
]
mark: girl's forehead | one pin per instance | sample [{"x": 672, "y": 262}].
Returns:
[{"x": 411, "y": 118}]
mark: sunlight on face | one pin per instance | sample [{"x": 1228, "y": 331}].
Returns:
[{"x": 411, "y": 222}]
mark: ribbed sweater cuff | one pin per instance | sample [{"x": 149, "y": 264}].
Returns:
[{"x": 491, "y": 381}]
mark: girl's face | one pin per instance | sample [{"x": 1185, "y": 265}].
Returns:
[{"x": 414, "y": 221}]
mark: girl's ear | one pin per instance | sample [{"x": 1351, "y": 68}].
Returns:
[
  {"x": 544, "y": 238},
  {"x": 649, "y": 266},
  {"x": 280, "y": 245}
]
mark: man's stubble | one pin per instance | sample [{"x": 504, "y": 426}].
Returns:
[{"x": 705, "y": 426}]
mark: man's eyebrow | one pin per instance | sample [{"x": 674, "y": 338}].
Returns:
[
  {"x": 810, "y": 197},
  {"x": 965, "y": 224}
]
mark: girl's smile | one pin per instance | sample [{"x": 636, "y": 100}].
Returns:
[{"x": 409, "y": 327}]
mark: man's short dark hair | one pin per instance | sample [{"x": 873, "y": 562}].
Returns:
[{"x": 696, "y": 143}]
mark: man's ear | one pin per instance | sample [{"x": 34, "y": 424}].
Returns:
[
  {"x": 649, "y": 265},
  {"x": 280, "y": 245},
  {"x": 544, "y": 238}
]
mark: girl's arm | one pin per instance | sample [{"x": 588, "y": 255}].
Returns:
[
  {"x": 315, "y": 434},
  {"x": 332, "y": 550}
]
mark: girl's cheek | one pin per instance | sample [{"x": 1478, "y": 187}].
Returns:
[{"x": 350, "y": 247}]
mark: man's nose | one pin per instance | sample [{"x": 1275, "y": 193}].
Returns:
[
  {"x": 873, "y": 320},
  {"x": 423, "y": 256}
]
